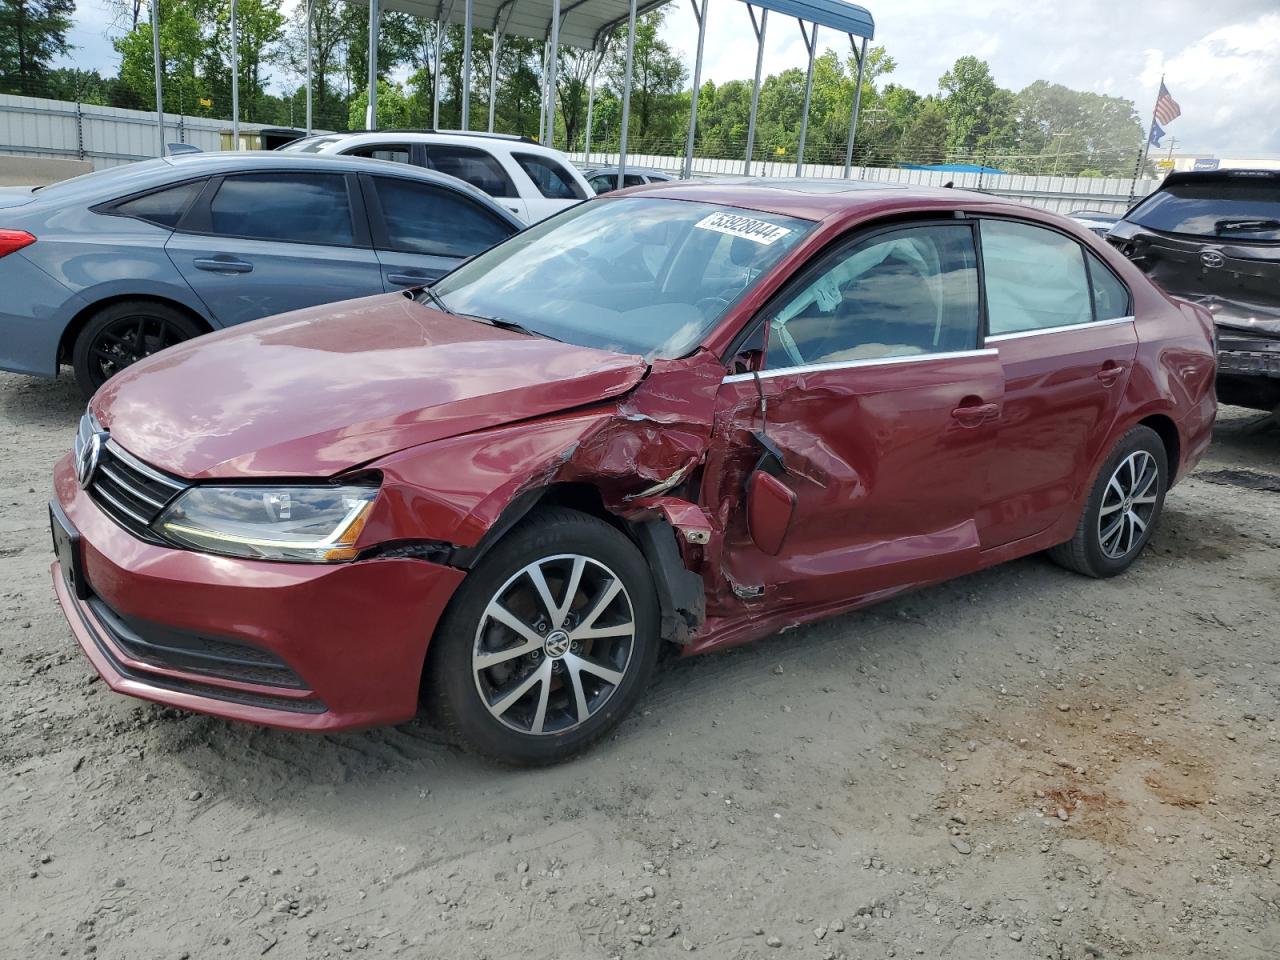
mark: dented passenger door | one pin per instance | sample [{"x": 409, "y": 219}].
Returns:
[{"x": 863, "y": 393}]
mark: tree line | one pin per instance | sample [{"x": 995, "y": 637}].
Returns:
[{"x": 1043, "y": 128}]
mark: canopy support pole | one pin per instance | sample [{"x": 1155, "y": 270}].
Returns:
[
  {"x": 542, "y": 91},
  {"x": 371, "y": 111},
  {"x": 700, "y": 14},
  {"x": 155, "y": 53},
  {"x": 626, "y": 91},
  {"x": 810, "y": 41},
  {"x": 235, "y": 75},
  {"x": 441, "y": 16},
  {"x": 759, "y": 28},
  {"x": 591, "y": 102},
  {"x": 310, "y": 11},
  {"x": 550, "y": 138},
  {"x": 857, "y": 103},
  {"x": 466, "y": 67}
]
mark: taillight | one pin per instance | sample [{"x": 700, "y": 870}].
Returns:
[{"x": 13, "y": 240}]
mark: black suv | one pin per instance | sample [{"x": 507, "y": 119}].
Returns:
[{"x": 1214, "y": 238}]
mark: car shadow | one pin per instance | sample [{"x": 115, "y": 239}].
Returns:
[{"x": 39, "y": 401}]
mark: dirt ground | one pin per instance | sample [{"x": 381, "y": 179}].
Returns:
[{"x": 1023, "y": 763}]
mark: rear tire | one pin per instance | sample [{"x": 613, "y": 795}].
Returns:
[
  {"x": 1122, "y": 510},
  {"x": 121, "y": 334},
  {"x": 525, "y": 672}
]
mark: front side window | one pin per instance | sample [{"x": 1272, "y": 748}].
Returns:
[
  {"x": 164, "y": 207},
  {"x": 632, "y": 274},
  {"x": 422, "y": 218},
  {"x": 1035, "y": 278},
  {"x": 552, "y": 180},
  {"x": 395, "y": 152},
  {"x": 476, "y": 167},
  {"x": 905, "y": 293},
  {"x": 296, "y": 207},
  {"x": 1110, "y": 296},
  {"x": 1225, "y": 208}
]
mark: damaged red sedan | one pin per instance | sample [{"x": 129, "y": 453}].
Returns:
[{"x": 686, "y": 416}]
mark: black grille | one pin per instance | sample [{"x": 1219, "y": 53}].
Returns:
[
  {"x": 92, "y": 616},
  {"x": 214, "y": 656},
  {"x": 127, "y": 490}
]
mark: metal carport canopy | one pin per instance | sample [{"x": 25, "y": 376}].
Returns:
[
  {"x": 846, "y": 17},
  {"x": 583, "y": 23}
]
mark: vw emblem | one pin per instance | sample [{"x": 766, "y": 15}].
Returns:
[
  {"x": 87, "y": 461},
  {"x": 1212, "y": 259}
]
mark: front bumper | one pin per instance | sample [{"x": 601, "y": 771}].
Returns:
[{"x": 299, "y": 646}]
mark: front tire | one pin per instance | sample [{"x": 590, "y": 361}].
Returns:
[
  {"x": 1122, "y": 510},
  {"x": 121, "y": 334},
  {"x": 549, "y": 642}
]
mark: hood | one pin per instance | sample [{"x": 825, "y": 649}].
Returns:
[{"x": 318, "y": 391}]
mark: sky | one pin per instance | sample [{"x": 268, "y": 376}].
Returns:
[{"x": 1221, "y": 59}]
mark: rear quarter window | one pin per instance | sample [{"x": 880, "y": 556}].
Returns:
[{"x": 164, "y": 207}]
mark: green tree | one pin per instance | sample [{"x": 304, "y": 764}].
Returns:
[
  {"x": 978, "y": 111},
  {"x": 658, "y": 78},
  {"x": 924, "y": 141},
  {"x": 1064, "y": 131},
  {"x": 32, "y": 33},
  {"x": 182, "y": 52}
]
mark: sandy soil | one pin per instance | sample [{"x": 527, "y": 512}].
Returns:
[{"x": 1022, "y": 763}]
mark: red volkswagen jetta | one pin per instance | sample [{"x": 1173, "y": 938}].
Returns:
[{"x": 689, "y": 415}]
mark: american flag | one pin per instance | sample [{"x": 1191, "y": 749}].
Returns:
[{"x": 1167, "y": 109}]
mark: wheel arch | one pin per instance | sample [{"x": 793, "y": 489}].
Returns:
[
  {"x": 66, "y": 343},
  {"x": 681, "y": 593}
]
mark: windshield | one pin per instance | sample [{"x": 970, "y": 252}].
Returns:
[
  {"x": 1239, "y": 208},
  {"x": 634, "y": 274}
]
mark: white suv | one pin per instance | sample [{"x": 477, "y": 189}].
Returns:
[{"x": 530, "y": 180}]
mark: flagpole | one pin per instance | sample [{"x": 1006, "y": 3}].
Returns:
[{"x": 1146, "y": 147}]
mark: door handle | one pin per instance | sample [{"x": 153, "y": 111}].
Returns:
[
  {"x": 222, "y": 265},
  {"x": 410, "y": 279},
  {"x": 1111, "y": 372},
  {"x": 973, "y": 414}
]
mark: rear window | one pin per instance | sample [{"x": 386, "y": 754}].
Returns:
[
  {"x": 1239, "y": 208},
  {"x": 552, "y": 180}
]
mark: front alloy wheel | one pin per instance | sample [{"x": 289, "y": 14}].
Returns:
[
  {"x": 548, "y": 643},
  {"x": 554, "y": 644}
]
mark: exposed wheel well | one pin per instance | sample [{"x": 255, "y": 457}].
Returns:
[
  {"x": 77, "y": 323},
  {"x": 1168, "y": 433}
]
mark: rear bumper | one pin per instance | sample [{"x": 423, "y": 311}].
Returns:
[
  {"x": 298, "y": 646},
  {"x": 33, "y": 315},
  {"x": 1243, "y": 353}
]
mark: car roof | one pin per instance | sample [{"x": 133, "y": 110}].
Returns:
[
  {"x": 458, "y": 137},
  {"x": 122, "y": 181},
  {"x": 819, "y": 199}
]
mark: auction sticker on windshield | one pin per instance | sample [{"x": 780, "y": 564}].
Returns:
[{"x": 749, "y": 228}]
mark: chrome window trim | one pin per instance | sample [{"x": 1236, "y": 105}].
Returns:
[
  {"x": 999, "y": 337},
  {"x": 855, "y": 364}
]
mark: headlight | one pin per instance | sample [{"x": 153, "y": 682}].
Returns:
[{"x": 307, "y": 524}]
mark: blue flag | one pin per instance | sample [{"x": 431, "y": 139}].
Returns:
[{"x": 1157, "y": 133}]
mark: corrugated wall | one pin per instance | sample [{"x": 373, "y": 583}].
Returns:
[
  {"x": 105, "y": 136},
  {"x": 1061, "y": 194}
]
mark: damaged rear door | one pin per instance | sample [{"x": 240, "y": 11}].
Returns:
[{"x": 854, "y": 433}]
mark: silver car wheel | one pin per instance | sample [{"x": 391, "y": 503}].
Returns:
[
  {"x": 1128, "y": 503},
  {"x": 553, "y": 644}
]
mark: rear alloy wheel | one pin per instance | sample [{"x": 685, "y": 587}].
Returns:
[
  {"x": 120, "y": 335},
  {"x": 548, "y": 643},
  {"x": 1122, "y": 509}
]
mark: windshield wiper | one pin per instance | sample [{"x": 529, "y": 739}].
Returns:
[
  {"x": 436, "y": 300},
  {"x": 511, "y": 325},
  {"x": 1246, "y": 223}
]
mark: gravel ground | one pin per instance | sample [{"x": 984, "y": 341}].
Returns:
[{"x": 1021, "y": 763}]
